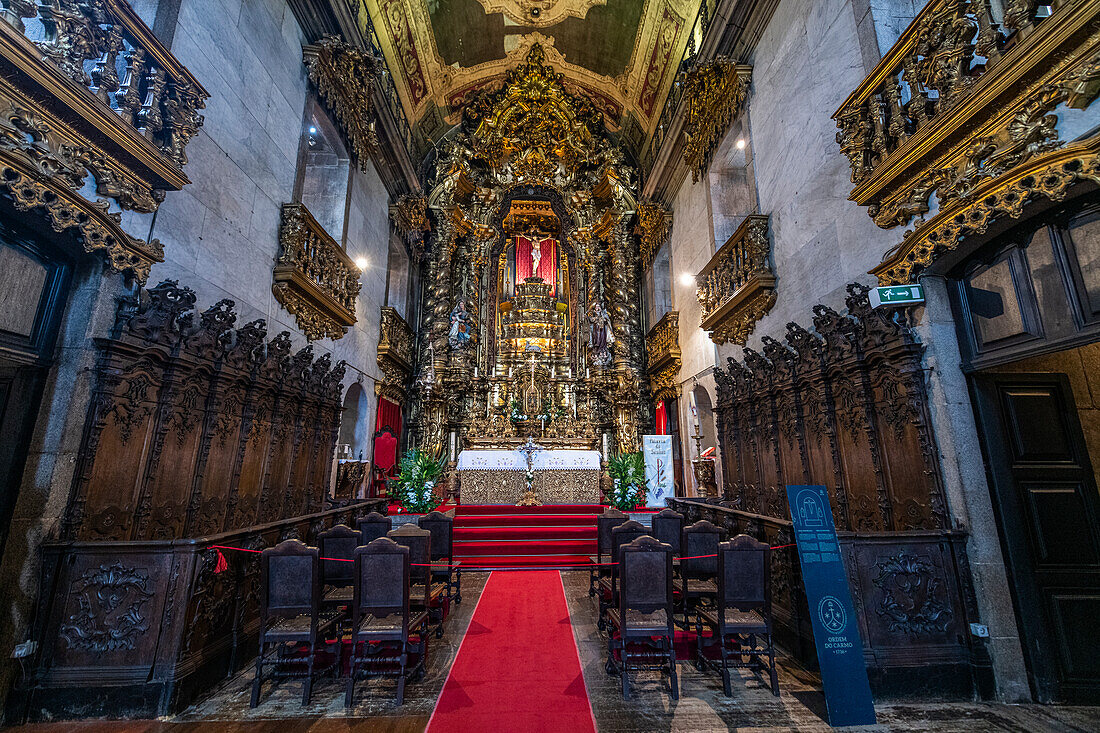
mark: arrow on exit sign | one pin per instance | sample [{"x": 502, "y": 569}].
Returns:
[{"x": 894, "y": 295}]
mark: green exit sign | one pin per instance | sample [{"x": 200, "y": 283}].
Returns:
[{"x": 896, "y": 295}]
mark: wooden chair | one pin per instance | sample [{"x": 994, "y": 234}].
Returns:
[
  {"x": 640, "y": 627},
  {"x": 382, "y": 622},
  {"x": 698, "y": 566},
  {"x": 449, "y": 571},
  {"x": 743, "y": 613},
  {"x": 667, "y": 526},
  {"x": 290, "y": 600},
  {"x": 623, "y": 534},
  {"x": 337, "y": 574},
  {"x": 604, "y": 524},
  {"x": 373, "y": 526},
  {"x": 419, "y": 542}
]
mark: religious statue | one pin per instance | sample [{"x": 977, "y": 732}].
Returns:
[
  {"x": 536, "y": 255},
  {"x": 600, "y": 335},
  {"x": 459, "y": 334}
]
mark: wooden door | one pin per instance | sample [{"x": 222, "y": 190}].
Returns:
[{"x": 1045, "y": 494}]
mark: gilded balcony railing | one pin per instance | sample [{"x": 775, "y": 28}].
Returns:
[
  {"x": 103, "y": 46},
  {"x": 314, "y": 278},
  {"x": 395, "y": 354},
  {"x": 662, "y": 345},
  {"x": 975, "y": 106},
  {"x": 737, "y": 287},
  {"x": 88, "y": 90}
]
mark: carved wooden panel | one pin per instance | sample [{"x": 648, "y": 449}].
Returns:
[
  {"x": 198, "y": 427},
  {"x": 845, "y": 406}
]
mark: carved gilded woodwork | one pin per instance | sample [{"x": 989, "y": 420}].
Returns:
[
  {"x": 653, "y": 230},
  {"x": 973, "y": 112},
  {"x": 314, "y": 278},
  {"x": 714, "y": 93},
  {"x": 66, "y": 115},
  {"x": 662, "y": 345},
  {"x": 410, "y": 218},
  {"x": 737, "y": 287},
  {"x": 395, "y": 355},
  {"x": 344, "y": 77}
]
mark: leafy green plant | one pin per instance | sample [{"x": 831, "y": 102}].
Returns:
[
  {"x": 627, "y": 471},
  {"x": 417, "y": 475}
]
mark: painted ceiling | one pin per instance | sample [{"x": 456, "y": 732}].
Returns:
[{"x": 621, "y": 54}]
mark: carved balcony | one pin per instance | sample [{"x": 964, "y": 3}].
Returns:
[
  {"x": 89, "y": 90},
  {"x": 971, "y": 115},
  {"x": 395, "y": 354},
  {"x": 314, "y": 278},
  {"x": 662, "y": 345},
  {"x": 737, "y": 287}
]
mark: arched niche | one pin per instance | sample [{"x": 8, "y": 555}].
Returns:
[{"x": 354, "y": 422}]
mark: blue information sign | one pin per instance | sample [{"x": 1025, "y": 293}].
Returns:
[{"x": 836, "y": 631}]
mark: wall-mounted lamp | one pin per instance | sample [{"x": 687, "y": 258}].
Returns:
[
  {"x": 741, "y": 143},
  {"x": 687, "y": 279},
  {"x": 361, "y": 263}
]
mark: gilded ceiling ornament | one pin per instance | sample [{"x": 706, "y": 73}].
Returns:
[
  {"x": 714, "y": 93},
  {"x": 955, "y": 112},
  {"x": 540, "y": 13},
  {"x": 344, "y": 77},
  {"x": 314, "y": 278},
  {"x": 653, "y": 230}
]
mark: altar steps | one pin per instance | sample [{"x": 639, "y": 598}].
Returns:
[{"x": 502, "y": 536}]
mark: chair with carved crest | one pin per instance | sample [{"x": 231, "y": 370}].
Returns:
[
  {"x": 623, "y": 534},
  {"x": 667, "y": 526},
  {"x": 741, "y": 622},
  {"x": 383, "y": 626},
  {"x": 604, "y": 524},
  {"x": 373, "y": 526},
  {"x": 640, "y": 627},
  {"x": 698, "y": 567},
  {"x": 426, "y": 595},
  {"x": 445, "y": 567},
  {"x": 337, "y": 549},
  {"x": 290, "y": 616}
]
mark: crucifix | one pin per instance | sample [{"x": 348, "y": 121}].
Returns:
[{"x": 529, "y": 449}]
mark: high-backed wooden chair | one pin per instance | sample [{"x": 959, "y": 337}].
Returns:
[
  {"x": 373, "y": 526},
  {"x": 623, "y": 534},
  {"x": 667, "y": 526},
  {"x": 290, "y": 615},
  {"x": 383, "y": 626},
  {"x": 741, "y": 621},
  {"x": 446, "y": 568},
  {"x": 426, "y": 595},
  {"x": 698, "y": 566},
  {"x": 640, "y": 625},
  {"x": 605, "y": 522},
  {"x": 337, "y": 550}
]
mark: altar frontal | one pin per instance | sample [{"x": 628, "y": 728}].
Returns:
[{"x": 558, "y": 476}]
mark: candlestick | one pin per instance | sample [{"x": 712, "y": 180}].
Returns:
[{"x": 475, "y": 372}]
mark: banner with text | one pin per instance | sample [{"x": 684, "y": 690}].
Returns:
[
  {"x": 660, "y": 483},
  {"x": 836, "y": 629}
]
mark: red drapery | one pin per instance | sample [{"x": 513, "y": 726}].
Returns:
[
  {"x": 548, "y": 262},
  {"x": 662, "y": 419},
  {"x": 389, "y": 425}
]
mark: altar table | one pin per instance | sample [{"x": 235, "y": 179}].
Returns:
[{"x": 560, "y": 476}]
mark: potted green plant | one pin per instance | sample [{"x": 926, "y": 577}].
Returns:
[
  {"x": 627, "y": 471},
  {"x": 417, "y": 476}
]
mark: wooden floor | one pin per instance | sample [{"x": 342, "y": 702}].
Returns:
[{"x": 410, "y": 724}]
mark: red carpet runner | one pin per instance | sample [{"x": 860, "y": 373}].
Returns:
[
  {"x": 517, "y": 668},
  {"x": 503, "y": 536}
]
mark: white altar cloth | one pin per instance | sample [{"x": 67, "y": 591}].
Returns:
[{"x": 544, "y": 460}]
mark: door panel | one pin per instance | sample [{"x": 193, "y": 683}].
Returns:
[{"x": 1045, "y": 494}]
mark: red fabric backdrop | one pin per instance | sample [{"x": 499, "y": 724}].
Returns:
[
  {"x": 548, "y": 264},
  {"x": 662, "y": 419},
  {"x": 385, "y": 445}
]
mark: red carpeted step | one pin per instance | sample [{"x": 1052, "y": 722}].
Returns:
[
  {"x": 511, "y": 532},
  {"x": 527, "y": 561},
  {"x": 523, "y": 547},
  {"x": 528, "y": 520},
  {"x": 475, "y": 509}
]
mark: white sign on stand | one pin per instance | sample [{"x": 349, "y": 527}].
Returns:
[{"x": 660, "y": 482}]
